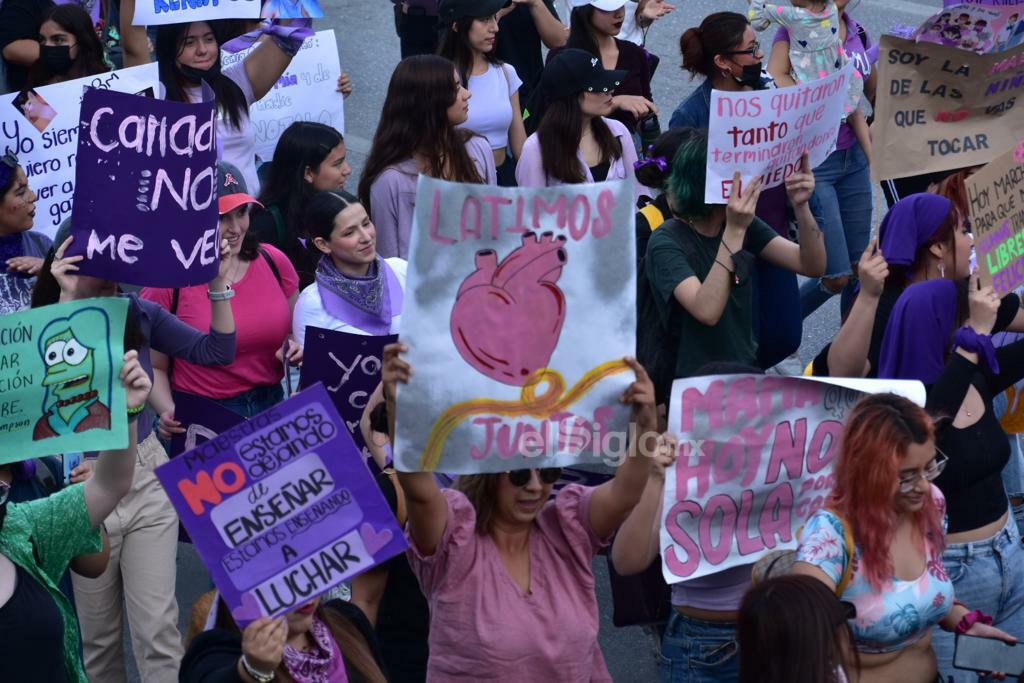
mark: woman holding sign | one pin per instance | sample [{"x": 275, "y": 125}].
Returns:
[
  {"x": 963, "y": 372},
  {"x": 37, "y": 542},
  {"x": 419, "y": 133},
  {"x": 878, "y": 542},
  {"x": 699, "y": 264},
  {"x": 356, "y": 291},
  {"x": 22, "y": 249},
  {"x": 144, "y": 528},
  {"x": 68, "y": 47},
  {"x": 189, "y": 54},
  {"x": 525, "y": 560}
]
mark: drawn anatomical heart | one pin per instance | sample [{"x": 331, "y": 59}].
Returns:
[{"x": 507, "y": 316}]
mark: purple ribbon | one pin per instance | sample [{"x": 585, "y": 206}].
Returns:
[
  {"x": 288, "y": 37},
  {"x": 357, "y": 317},
  {"x": 969, "y": 340},
  {"x": 660, "y": 162}
]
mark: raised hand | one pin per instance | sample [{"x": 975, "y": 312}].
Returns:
[
  {"x": 983, "y": 305},
  {"x": 263, "y": 643},
  {"x": 135, "y": 380},
  {"x": 872, "y": 270},
  {"x": 800, "y": 185}
]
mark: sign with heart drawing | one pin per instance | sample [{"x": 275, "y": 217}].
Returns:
[{"x": 520, "y": 308}]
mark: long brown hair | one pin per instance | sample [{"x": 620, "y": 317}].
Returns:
[
  {"x": 75, "y": 20},
  {"x": 414, "y": 119},
  {"x": 482, "y": 492},
  {"x": 559, "y": 134},
  {"x": 455, "y": 46}
]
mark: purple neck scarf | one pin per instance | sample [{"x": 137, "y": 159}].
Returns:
[
  {"x": 368, "y": 304},
  {"x": 321, "y": 664},
  {"x": 909, "y": 224},
  {"x": 919, "y": 332}
]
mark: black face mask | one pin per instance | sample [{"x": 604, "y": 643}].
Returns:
[
  {"x": 197, "y": 76},
  {"x": 751, "y": 76},
  {"x": 56, "y": 58}
]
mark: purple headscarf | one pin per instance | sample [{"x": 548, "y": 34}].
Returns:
[
  {"x": 920, "y": 329},
  {"x": 909, "y": 224}
]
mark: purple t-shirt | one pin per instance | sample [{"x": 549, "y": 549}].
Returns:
[{"x": 856, "y": 50}]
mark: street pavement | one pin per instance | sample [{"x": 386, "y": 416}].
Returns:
[{"x": 369, "y": 52}]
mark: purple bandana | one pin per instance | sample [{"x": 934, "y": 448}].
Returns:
[
  {"x": 366, "y": 303},
  {"x": 320, "y": 664},
  {"x": 917, "y": 338}
]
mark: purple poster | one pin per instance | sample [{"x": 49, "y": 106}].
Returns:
[
  {"x": 349, "y": 366},
  {"x": 145, "y": 203},
  {"x": 201, "y": 418},
  {"x": 281, "y": 507}
]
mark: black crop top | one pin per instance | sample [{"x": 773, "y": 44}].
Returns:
[{"x": 972, "y": 481}]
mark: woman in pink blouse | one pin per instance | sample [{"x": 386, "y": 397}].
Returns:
[{"x": 506, "y": 571}]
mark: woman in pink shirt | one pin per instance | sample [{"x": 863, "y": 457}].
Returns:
[
  {"x": 506, "y": 571},
  {"x": 262, "y": 288}
]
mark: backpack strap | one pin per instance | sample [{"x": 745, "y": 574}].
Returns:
[
  {"x": 270, "y": 262},
  {"x": 653, "y": 215},
  {"x": 844, "y": 580},
  {"x": 279, "y": 229}
]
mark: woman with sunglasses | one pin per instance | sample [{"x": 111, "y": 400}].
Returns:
[
  {"x": 963, "y": 372},
  {"x": 883, "y": 500},
  {"x": 507, "y": 573},
  {"x": 38, "y": 540}
]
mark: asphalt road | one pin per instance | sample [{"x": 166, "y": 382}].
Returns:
[{"x": 369, "y": 52}]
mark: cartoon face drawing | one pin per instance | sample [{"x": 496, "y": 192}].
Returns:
[{"x": 73, "y": 349}]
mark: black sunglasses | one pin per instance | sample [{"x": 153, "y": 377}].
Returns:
[{"x": 548, "y": 475}]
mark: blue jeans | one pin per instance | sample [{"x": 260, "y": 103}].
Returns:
[
  {"x": 778, "y": 326},
  {"x": 843, "y": 196},
  {"x": 254, "y": 401},
  {"x": 697, "y": 651},
  {"x": 986, "y": 575}
]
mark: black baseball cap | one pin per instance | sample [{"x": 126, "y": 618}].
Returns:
[
  {"x": 574, "y": 71},
  {"x": 231, "y": 190},
  {"x": 450, "y": 11}
]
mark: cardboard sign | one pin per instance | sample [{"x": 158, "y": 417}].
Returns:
[
  {"x": 764, "y": 132},
  {"x": 996, "y": 195},
  {"x": 202, "y": 420},
  {"x": 940, "y": 108},
  {"x": 349, "y": 366},
  {"x": 755, "y": 461},
  {"x": 40, "y": 126},
  {"x": 524, "y": 307},
  {"x": 978, "y": 27},
  {"x": 59, "y": 385},
  {"x": 307, "y": 91},
  {"x": 282, "y": 507},
  {"x": 158, "y": 12},
  {"x": 145, "y": 209}
]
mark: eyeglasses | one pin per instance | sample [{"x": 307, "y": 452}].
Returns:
[
  {"x": 5, "y": 492},
  {"x": 548, "y": 475},
  {"x": 931, "y": 472},
  {"x": 753, "y": 52}
]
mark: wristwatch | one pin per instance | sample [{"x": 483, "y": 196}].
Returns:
[{"x": 255, "y": 674}]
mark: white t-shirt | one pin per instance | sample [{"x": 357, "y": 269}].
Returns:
[
  {"x": 309, "y": 309},
  {"x": 490, "y": 109}
]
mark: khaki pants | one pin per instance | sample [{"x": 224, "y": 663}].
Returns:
[{"x": 143, "y": 532}]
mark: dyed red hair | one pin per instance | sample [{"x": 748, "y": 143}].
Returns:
[{"x": 879, "y": 431}]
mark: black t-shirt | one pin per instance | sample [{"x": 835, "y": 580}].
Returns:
[
  {"x": 19, "y": 20},
  {"x": 519, "y": 44},
  {"x": 32, "y": 633}
]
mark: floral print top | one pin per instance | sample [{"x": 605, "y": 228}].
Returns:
[{"x": 904, "y": 611}]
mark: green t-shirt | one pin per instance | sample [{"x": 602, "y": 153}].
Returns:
[
  {"x": 42, "y": 536},
  {"x": 677, "y": 252}
]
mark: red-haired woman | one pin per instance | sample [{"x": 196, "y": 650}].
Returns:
[{"x": 884, "y": 498}]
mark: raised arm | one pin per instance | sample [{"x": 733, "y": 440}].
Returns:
[
  {"x": 807, "y": 258},
  {"x": 848, "y": 355},
  {"x": 613, "y": 500},
  {"x": 265, "y": 65},
  {"x": 552, "y": 32},
  {"x": 112, "y": 476},
  {"x": 779, "y": 66},
  {"x": 636, "y": 543},
  {"x": 427, "y": 508},
  {"x": 134, "y": 40}
]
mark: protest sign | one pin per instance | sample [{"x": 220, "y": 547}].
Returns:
[
  {"x": 940, "y": 108},
  {"x": 291, "y": 9},
  {"x": 40, "y": 126},
  {"x": 202, "y": 420},
  {"x": 158, "y": 12},
  {"x": 764, "y": 132},
  {"x": 996, "y": 197},
  {"x": 281, "y": 507},
  {"x": 755, "y": 461},
  {"x": 522, "y": 307},
  {"x": 59, "y": 385},
  {"x": 982, "y": 27},
  {"x": 145, "y": 209},
  {"x": 307, "y": 91},
  {"x": 349, "y": 366}
]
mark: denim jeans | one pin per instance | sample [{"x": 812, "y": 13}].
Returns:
[
  {"x": 843, "y": 196},
  {"x": 254, "y": 401},
  {"x": 986, "y": 575},
  {"x": 778, "y": 326},
  {"x": 697, "y": 651}
]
